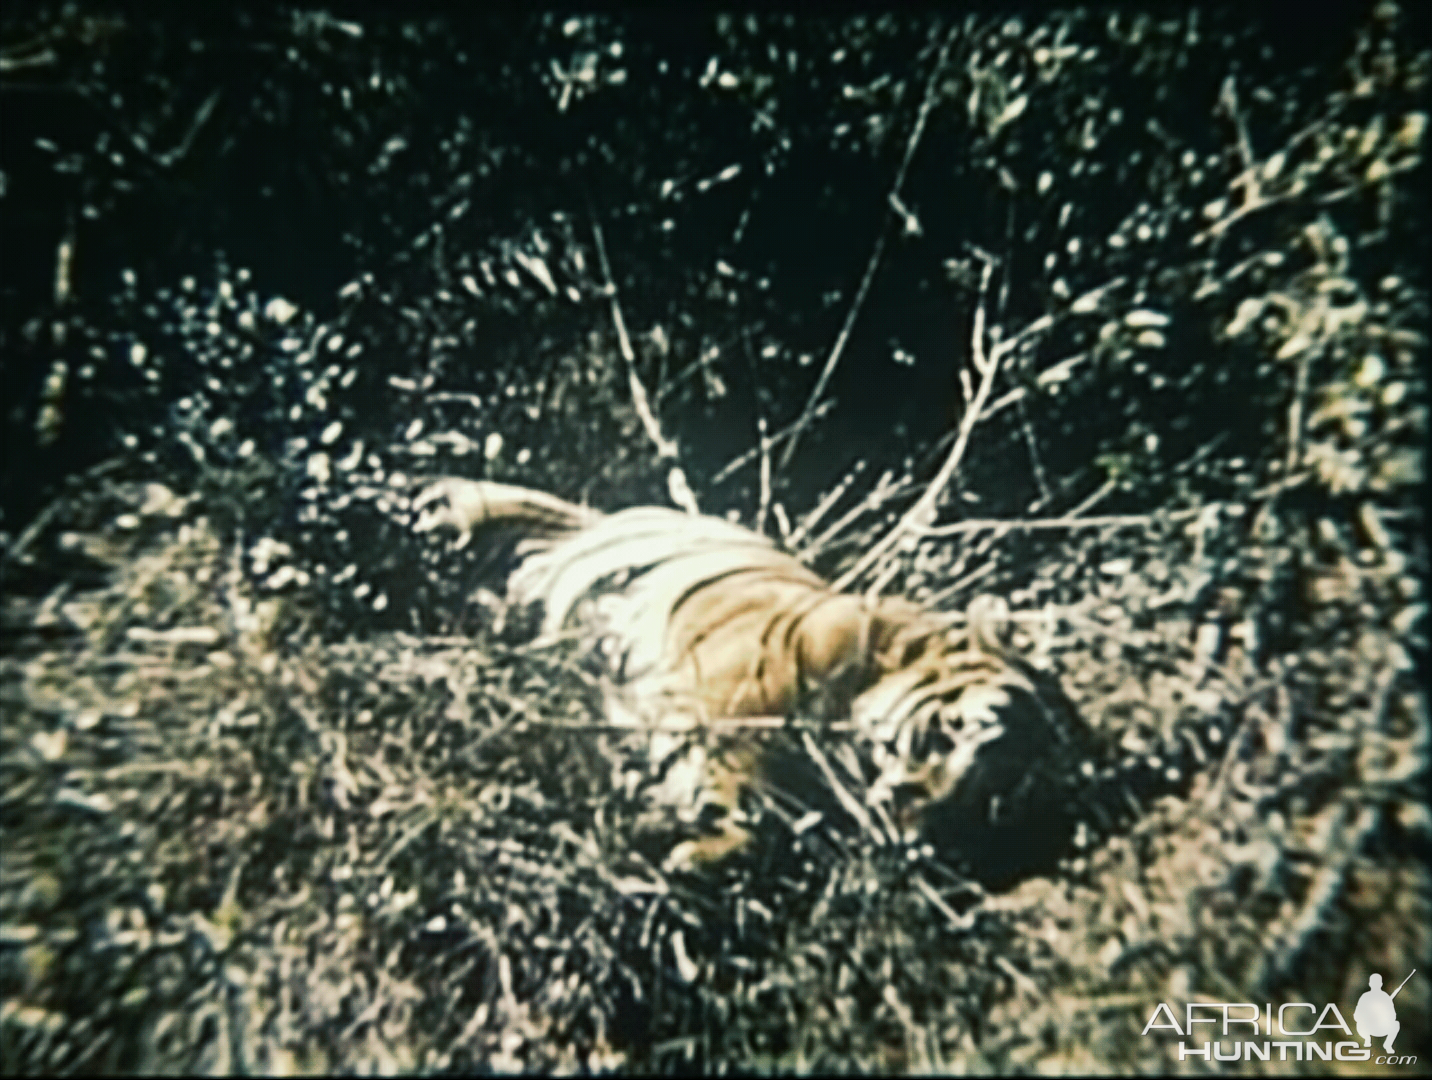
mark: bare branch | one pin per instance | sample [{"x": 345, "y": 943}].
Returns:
[
  {"x": 959, "y": 922},
  {"x": 765, "y": 505},
  {"x": 742, "y": 723},
  {"x": 963, "y": 583},
  {"x": 676, "y": 483},
  {"x": 1033, "y": 447},
  {"x": 892, "y": 202},
  {"x": 64, "y": 262},
  {"x": 1116, "y": 521},
  {"x": 850, "y": 803},
  {"x": 201, "y": 117},
  {"x": 744, "y": 459},
  {"x": 1104, "y": 490},
  {"x": 831, "y": 497},
  {"x": 664, "y": 447},
  {"x": 886, "y": 489},
  {"x": 11, "y": 64},
  {"x": 923, "y": 512},
  {"x": 450, "y": 395},
  {"x": 1295, "y": 414}
]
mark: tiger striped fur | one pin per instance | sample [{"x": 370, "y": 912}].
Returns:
[{"x": 710, "y": 621}]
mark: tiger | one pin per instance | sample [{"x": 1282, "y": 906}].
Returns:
[{"x": 710, "y": 623}]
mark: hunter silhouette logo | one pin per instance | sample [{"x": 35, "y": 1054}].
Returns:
[
  {"x": 1376, "y": 1016},
  {"x": 1294, "y": 1031}
]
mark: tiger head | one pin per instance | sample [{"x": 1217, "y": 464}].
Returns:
[
  {"x": 965, "y": 735},
  {"x": 971, "y": 746}
]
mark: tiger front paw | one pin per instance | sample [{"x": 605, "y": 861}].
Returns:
[
  {"x": 462, "y": 505},
  {"x": 708, "y": 850}
]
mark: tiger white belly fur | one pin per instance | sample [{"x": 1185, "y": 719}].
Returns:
[{"x": 706, "y": 621}]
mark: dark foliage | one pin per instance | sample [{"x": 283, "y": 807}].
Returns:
[{"x": 282, "y": 785}]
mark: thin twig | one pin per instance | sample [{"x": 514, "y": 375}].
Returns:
[
  {"x": 450, "y": 395},
  {"x": 1347, "y": 839},
  {"x": 872, "y": 499},
  {"x": 665, "y": 448},
  {"x": 1228, "y": 101},
  {"x": 702, "y": 362},
  {"x": 1223, "y": 224},
  {"x": 996, "y": 533},
  {"x": 1035, "y": 328},
  {"x": 201, "y": 117},
  {"x": 878, "y": 251},
  {"x": 765, "y": 505},
  {"x": 676, "y": 484},
  {"x": 1104, "y": 490},
  {"x": 1072, "y": 520},
  {"x": 740, "y": 723},
  {"x": 1118, "y": 521},
  {"x": 959, "y": 922},
  {"x": 976, "y": 412},
  {"x": 847, "y": 800},
  {"x": 883, "y": 492},
  {"x": 1255, "y": 199},
  {"x": 44, "y": 58},
  {"x": 1023, "y": 981},
  {"x": 1295, "y": 414},
  {"x": 783, "y": 523},
  {"x": 1033, "y": 447},
  {"x": 892, "y": 567},
  {"x": 828, "y": 500},
  {"x": 963, "y": 583},
  {"x": 18, "y": 552},
  {"x": 744, "y": 459},
  {"x": 1015, "y": 396},
  {"x": 64, "y": 261},
  {"x": 841, "y": 339},
  {"x": 1241, "y": 688},
  {"x": 923, "y": 512}
]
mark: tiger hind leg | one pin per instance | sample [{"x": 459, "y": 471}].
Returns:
[
  {"x": 727, "y": 776},
  {"x": 709, "y": 850}
]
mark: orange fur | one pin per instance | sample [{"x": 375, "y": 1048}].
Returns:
[{"x": 714, "y": 622}]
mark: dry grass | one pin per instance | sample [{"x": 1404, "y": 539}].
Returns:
[
  {"x": 233, "y": 846},
  {"x": 279, "y": 794}
]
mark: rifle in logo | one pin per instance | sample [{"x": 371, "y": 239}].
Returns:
[{"x": 1376, "y": 1016}]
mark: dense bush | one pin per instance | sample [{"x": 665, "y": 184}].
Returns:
[{"x": 1119, "y": 315}]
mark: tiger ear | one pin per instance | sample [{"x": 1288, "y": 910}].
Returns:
[{"x": 989, "y": 623}]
